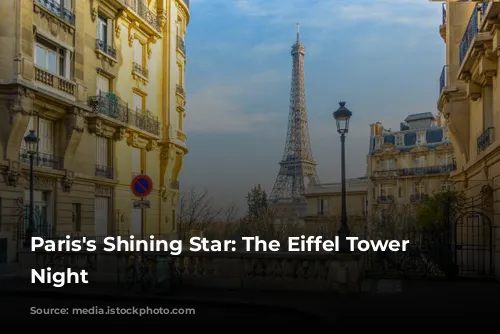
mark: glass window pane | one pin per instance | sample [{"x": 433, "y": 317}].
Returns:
[
  {"x": 41, "y": 57},
  {"x": 52, "y": 62}
]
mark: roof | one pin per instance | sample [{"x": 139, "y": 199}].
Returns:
[
  {"x": 418, "y": 117},
  {"x": 352, "y": 185}
]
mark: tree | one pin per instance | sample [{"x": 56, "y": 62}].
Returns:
[
  {"x": 196, "y": 211},
  {"x": 393, "y": 222},
  {"x": 435, "y": 208},
  {"x": 257, "y": 202}
]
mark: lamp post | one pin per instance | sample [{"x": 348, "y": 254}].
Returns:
[
  {"x": 31, "y": 141},
  {"x": 342, "y": 116}
]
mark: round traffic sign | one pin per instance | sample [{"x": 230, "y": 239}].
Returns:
[{"x": 141, "y": 185}]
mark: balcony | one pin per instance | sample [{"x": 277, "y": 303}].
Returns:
[
  {"x": 180, "y": 91},
  {"x": 385, "y": 199},
  {"x": 442, "y": 79},
  {"x": 180, "y": 45},
  {"x": 42, "y": 160},
  {"x": 485, "y": 139},
  {"x": 429, "y": 170},
  {"x": 418, "y": 197},
  {"x": 106, "y": 49},
  {"x": 472, "y": 29},
  {"x": 108, "y": 104},
  {"x": 139, "y": 69},
  {"x": 442, "y": 27},
  {"x": 55, "y": 81},
  {"x": 385, "y": 173},
  {"x": 104, "y": 171},
  {"x": 56, "y": 8},
  {"x": 144, "y": 13}
]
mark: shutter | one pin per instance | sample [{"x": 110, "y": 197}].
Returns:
[
  {"x": 101, "y": 216},
  {"x": 46, "y": 135},
  {"x": 136, "y": 160},
  {"x": 102, "y": 151},
  {"x": 102, "y": 84}
]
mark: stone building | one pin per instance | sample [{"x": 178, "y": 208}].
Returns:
[
  {"x": 406, "y": 165},
  {"x": 324, "y": 205},
  {"x": 469, "y": 99},
  {"x": 102, "y": 85}
]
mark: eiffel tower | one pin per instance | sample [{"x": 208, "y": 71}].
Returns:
[{"x": 297, "y": 167}]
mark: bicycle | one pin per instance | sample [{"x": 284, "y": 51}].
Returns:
[
  {"x": 140, "y": 271},
  {"x": 411, "y": 267},
  {"x": 166, "y": 274}
]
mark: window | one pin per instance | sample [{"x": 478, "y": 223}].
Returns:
[
  {"x": 387, "y": 164},
  {"x": 386, "y": 190},
  {"x": 418, "y": 188},
  {"x": 445, "y": 159},
  {"x": 419, "y": 161},
  {"x": 420, "y": 138},
  {"x": 102, "y": 30},
  {"x": 180, "y": 74},
  {"x": 399, "y": 140},
  {"x": 378, "y": 142},
  {"x": 446, "y": 135},
  {"x": 103, "y": 84},
  {"x": 138, "y": 101},
  {"x": 52, "y": 58},
  {"x": 321, "y": 207},
  {"x": 487, "y": 107},
  {"x": 136, "y": 160},
  {"x": 76, "y": 217},
  {"x": 102, "y": 151},
  {"x": 44, "y": 129},
  {"x": 181, "y": 119},
  {"x": 138, "y": 52}
]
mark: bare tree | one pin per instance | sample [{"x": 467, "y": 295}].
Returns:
[
  {"x": 393, "y": 222},
  {"x": 196, "y": 211}
]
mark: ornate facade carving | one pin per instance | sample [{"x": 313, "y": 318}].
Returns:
[
  {"x": 40, "y": 182},
  {"x": 95, "y": 126},
  {"x": 22, "y": 103},
  {"x": 67, "y": 181},
  {"x": 12, "y": 174},
  {"x": 120, "y": 134},
  {"x": 152, "y": 145},
  {"x": 75, "y": 121}
]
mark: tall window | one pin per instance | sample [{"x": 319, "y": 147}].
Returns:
[
  {"x": 420, "y": 138},
  {"x": 44, "y": 129},
  {"x": 399, "y": 140},
  {"x": 103, "y": 84},
  {"x": 102, "y": 30},
  {"x": 138, "y": 52},
  {"x": 102, "y": 151},
  {"x": 386, "y": 190},
  {"x": 419, "y": 161},
  {"x": 487, "y": 107},
  {"x": 181, "y": 119},
  {"x": 445, "y": 159},
  {"x": 180, "y": 74},
  {"x": 418, "y": 188},
  {"x": 51, "y": 57},
  {"x": 387, "y": 164},
  {"x": 321, "y": 207},
  {"x": 138, "y": 101},
  {"x": 378, "y": 142}
]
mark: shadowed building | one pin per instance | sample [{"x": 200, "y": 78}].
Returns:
[
  {"x": 102, "y": 85},
  {"x": 404, "y": 166},
  {"x": 324, "y": 205},
  {"x": 469, "y": 99}
]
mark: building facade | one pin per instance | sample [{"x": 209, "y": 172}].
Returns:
[
  {"x": 324, "y": 205},
  {"x": 404, "y": 166},
  {"x": 102, "y": 85},
  {"x": 469, "y": 99}
]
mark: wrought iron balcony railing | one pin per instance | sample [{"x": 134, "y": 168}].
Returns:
[
  {"x": 443, "y": 169},
  {"x": 180, "y": 45},
  {"x": 472, "y": 29},
  {"x": 385, "y": 199},
  {"x": 58, "y": 9},
  {"x": 110, "y": 105},
  {"x": 104, "y": 171},
  {"x": 418, "y": 197},
  {"x": 107, "y": 49},
  {"x": 442, "y": 79},
  {"x": 180, "y": 91},
  {"x": 140, "y": 70},
  {"x": 485, "y": 139},
  {"x": 42, "y": 160},
  {"x": 444, "y": 13},
  {"x": 145, "y": 13}
]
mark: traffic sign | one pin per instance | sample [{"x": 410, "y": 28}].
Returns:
[
  {"x": 142, "y": 204},
  {"x": 141, "y": 185}
]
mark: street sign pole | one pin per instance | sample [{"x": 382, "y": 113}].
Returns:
[{"x": 141, "y": 186}]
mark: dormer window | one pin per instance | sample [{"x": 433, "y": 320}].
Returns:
[
  {"x": 378, "y": 142},
  {"x": 420, "y": 138},
  {"x": 445, "y": 135},
  {"x": 399, "y": 140}
]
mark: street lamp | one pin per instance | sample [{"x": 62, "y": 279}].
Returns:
[
  {"x": 31, "y": 141},
  {"x": 342, "y": 116}
]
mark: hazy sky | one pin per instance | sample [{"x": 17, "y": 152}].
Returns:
[{"x": 383, "y": 57}]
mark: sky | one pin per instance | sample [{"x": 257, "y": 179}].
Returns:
[{"x": 382, "y": 57}]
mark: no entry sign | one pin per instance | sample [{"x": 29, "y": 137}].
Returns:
[{"x": 141, "y": 185}]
